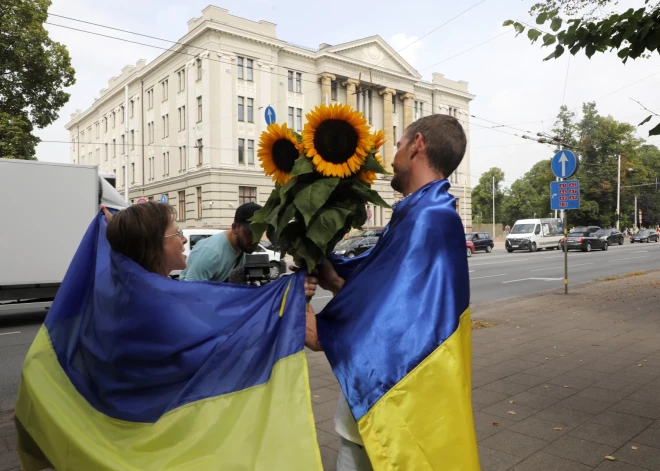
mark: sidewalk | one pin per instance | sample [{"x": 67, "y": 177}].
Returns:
[{"x": 561, "y": 382}]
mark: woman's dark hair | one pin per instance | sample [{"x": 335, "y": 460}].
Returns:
[{"x": 138, "y": 232}]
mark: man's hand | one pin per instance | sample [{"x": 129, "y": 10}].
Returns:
[
  {"x": 328, "y": 277},
  {"x": 311, "y": 282},
  {"x": 311, "y": 334}
]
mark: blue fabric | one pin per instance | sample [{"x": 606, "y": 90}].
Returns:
[
  {"x": 400, "y": 301},
  {"x": 136, "y": 344}
]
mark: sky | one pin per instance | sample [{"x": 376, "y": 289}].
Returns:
[{"x": 512, "y": 83}]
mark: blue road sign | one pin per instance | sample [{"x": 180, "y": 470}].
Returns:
[
  {"x": 564, "y": 164},
  {"x": 270, "y": 115},
  {"x": 565, "y": 194},
  {"x": 163, "y": 199}
]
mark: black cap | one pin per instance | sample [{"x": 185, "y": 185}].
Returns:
[{"x": 245, "y": 212}]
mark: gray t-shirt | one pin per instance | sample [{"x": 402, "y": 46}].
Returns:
[{"x": 212, "y": 259}]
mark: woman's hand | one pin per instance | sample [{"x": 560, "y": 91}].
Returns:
[{"x": 108, "y": 214}]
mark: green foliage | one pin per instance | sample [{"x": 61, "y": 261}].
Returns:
[
  {"x": 34, "y": 70},
  {"x": 482, "y": 195}
]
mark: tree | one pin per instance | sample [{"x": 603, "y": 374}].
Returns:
[
  {"x": 482, "y": 195},
  {"x": 34, "y": 70},
  {"x": 530, "y": 194}
]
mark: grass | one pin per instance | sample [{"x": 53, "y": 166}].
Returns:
[
  {"x": 482, "y": 325},
  {"x": 618, "y": 277}
]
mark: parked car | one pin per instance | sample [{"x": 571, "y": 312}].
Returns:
[
  {"x": 469, "y": 245},
  {"x": 589, "y": 229},
  {"x": 645, "y": 236},
  {"x": 585, "y": 241},
  {"x": 349, "y": 248},
  {"x": 613, "y": 236},
  {"x": 481, "y": 241},
  {"x": 535, "y": 234}
]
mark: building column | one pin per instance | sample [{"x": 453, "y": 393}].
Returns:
[
  {"x": 326, "y": 87},
  {"x": 351, "y": 97},
  {"x": 408, "y": 104},
  {"x": 388, "y": 127}
]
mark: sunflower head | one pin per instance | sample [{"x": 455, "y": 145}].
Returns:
[
  {"x": 379, "y": 139},
  {"x": 278, "y": 151},
  {"x": 368, "y": 176},
  {"x": 337, "y": 139}
]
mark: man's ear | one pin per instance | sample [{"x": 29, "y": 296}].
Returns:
[
  {"x": 234, "y": 227},
  {"x": 416, "y": 145}
]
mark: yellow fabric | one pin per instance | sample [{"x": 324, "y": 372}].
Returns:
[
  {"x": 425, "y": 421},
  {"x": 267, "y": 427},
  {"x": 286, "y": 292}
]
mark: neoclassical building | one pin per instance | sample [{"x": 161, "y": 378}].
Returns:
[{"x": 190, "y": 120}]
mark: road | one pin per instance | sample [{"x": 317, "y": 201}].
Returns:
[{"x": 498, "y": 275}]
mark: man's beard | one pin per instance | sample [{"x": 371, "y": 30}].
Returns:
[
  {"x": 247, "y": 248},
  {"x": 397, "y": 182}
]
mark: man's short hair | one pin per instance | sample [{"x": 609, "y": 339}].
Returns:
[{"x": 444, "y": 138}]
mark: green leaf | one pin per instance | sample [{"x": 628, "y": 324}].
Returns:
[
  {"x": 646, "y": 120},
  {"x": 507, "y": 23},
  {"x": 325, "y": 226},
  {"x": 372, "y": 165},
  {"x": 284, "y": 219},
  {"x": 302, "y": 166},
  {"x": 369, "y": 195},
  {"x": 590, "y": 50},
  {"x": 258, "y": 229},
  {"x": 655, "y": 131},
  {"x": 533, "y": 34},
  {"x": 623, "y": 53},
  {"x": 542, "y": 18},
  {"x": 549, "y": 39},
  {"x": 262, "y": 214},
  {"x": 305, "y": 249},
  {"x": 559, "y": 50},
  {"x": 518, "y": 27},
  {"x": 287, "y": 186},
  {"x": 309, "y": 200},
  {"x": 556, "y": 24}
]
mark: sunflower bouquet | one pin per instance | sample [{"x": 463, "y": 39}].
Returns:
[{"x": 323, "y": 181}]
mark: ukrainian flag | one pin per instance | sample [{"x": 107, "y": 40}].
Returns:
[
  {"x": 133, "y": 371},
  {"x": 398, "y": 338}
]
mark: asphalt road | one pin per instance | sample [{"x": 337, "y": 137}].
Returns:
[{"x": 495, "y": 276}]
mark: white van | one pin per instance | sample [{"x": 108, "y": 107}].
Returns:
[{"x": 535, "y": 234}]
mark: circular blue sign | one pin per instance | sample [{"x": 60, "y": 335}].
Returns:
[
  {"x": 270, "y": 115},
  {"x": 163, "y": 199},
  {"x": 564, "y": 164}
]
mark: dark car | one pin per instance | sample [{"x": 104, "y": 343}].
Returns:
[
  {"x": 612, "y": 236},
  {"x": 588, "y": 229},
  {"x": 585, "y": 241},
  {"x": 349, "y": 248},
  {"x": 645, "y": 236},
  {"x": 481, "y": 240}
]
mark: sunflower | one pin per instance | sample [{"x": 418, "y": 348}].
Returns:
[
  {"x": 278, "y": 151},
  {"x": 379, "y": 139},
  {"x": 337, "y": 139},
  {"x": 368, "y": 176}
]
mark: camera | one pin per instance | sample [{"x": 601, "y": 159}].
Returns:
[{"x": 256, "y": 271}]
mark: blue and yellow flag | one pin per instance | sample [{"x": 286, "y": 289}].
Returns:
[
  {"x": 134, "y": 371},
  {"x": 398, "y": 338}
]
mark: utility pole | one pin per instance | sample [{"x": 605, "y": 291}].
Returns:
[
  {"x": 126, "y": 143},
  {"x": 618, "y": 195},
  {"x": 635, "y": 215},
  {"x": 493, "y": 206}
]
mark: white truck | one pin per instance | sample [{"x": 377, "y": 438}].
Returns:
[
  {"x": 535, "y": 234},
  {"x": 45, "y": 209}
]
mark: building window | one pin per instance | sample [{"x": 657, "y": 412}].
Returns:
[
  {"x": 152, "y": 168},
  {"x": 241, "y": 151},
  {"x": 132, "y": 139},
  {"x": 150, "y": 99},
  {"x": 200, "y": 154},
  {"x": 250, "y": 152},
  {"x": 98, "y": 156},
  {"x": 164, "y": 89},
  {"x": 298, "y": 82},
  {"x": 122, "y": 112},
  {"x": 199, "y": 109},
  {"x": 290, "y": 122},
  {"x": 82, "y": 138},
  {"x": 370, "y": 107},
  {"x": 132, "y": 108},
  {"x": 182, "y": 206},
  {"x": 182, "y": 118},
  {"x": 123, "y": 175},
  {"x": 132, "y": 172},
  {"x": 393, "y": 103},
  {"x": 150, "y": 132},
  {"x": 241, "y": 106},
  {"x": 97, "y": 128},
  {"x": 114, "y": 149},
  {"x": 166, "y": 126},
  {"x": 333, "y": 90},
  {"x": 290, "y": 80},
  {"x": 106, "y": 152},
  {"x": 166, "y": 163},
  {"x": 182, "y": 79},
  {"x": 250, "y": 69},
  {"x": 394, "y": 133},
  {"x": 105, "y": 124},
  {"x": 239, "y": 67},
  {"x": 199, "y": 202},
  {"x": 250, "y": 110},
  {"x": 299, "y": 119},
  {"x": 182, "y": 158},
  {"x": 199, "y": 69},
  {"x": 247, "y": 194},
  {"x": 114, "y": 119},
  {"x": 123, "y": 144}
]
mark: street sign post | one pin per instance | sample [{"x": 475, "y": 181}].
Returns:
[
  {"x": 270, "y": 115},
  {"x": 163, "y": 199},
  {"x": 565, "y": 194},
  {"x": 564, "y": 164}
]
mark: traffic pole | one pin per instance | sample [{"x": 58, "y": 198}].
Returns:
[{"x": 565, "y": 218}]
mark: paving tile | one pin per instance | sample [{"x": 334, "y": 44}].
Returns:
[
  {"x": 328, "y": 458},
  {"x": 613, "y": 384},
  {"x": 542, "y": 429},
  {"x": 327, "y": 426},
  {"x": 617, "y": 466},
  {"x": 649, "y": 437},
  {"x": 572, "y": 381},
  {"x": 484, "y": 361},
  {"x": 502, "y": 409},
  {"x": 628, "y": 422},
  {"x": 544, "y": 372},
  {"x": 318, "y": 382},
  {"x": 504, "y": 386},
  {"x": 324, "y": 411},
  {"x": 603, "y": 366},
  {"x": 653, "y": 371},
  {"x": 600, "y": 394},
  {"x": 650, "y": 397},
  {"x": 634, "y": 377},
  {"x": 545, "y": 462},
  {"x": 481, "y": 378},
  {"x": 323, "y": 395},
  {"x": 562, "y": 415},
  {"x": 602, "y": 434},
  {"x": 486, "y": 397},
  {"x": 483, "y": 424},
  {"x": 326, "y": 438},
  {"x": 526, "y": 379},
  {"x": 553, "y": 390},
  {"x": 535, "y": 401},
  {"x": 644, "y": 457},
  {"x": 9, "y": 461},
  {"x": 7, "y": 428},
  {"x": 513, "y": 443},
  {"x": 493, "y": 460},
  {"x": 582, "y": 451},
  {"x": 584, "y": 404}
]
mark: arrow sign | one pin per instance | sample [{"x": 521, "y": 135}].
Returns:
[
  {"x": 564, "y": 164},
  {"x": 270, "y": 115}
]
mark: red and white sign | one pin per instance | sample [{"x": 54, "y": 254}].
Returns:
[{"x": 141, "y": 200}]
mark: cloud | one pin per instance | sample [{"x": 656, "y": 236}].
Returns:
[{"x": 411, "y": 52}]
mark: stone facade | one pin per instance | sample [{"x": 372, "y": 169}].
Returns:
[{"x": 190, "y": 120}]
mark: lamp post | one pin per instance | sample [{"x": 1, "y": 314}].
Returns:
[{"x": 618, "y": 196}]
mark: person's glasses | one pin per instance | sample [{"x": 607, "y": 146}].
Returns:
[{"x": 179, "y": 234}]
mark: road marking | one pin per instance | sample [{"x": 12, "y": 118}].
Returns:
[
  {"x": 624, "y": 259},
  {"x": 10, "y": 333},
  {"x": 489, "y": 276},
  {"x": 497, "y": 263},
  {"x": 532, "y": 279},
  {"x": 322, "y": 297},
  {"x": 472, "y": 271},
  {"x": 570, "y": 266},
  {"x": 641, "y": 251}
]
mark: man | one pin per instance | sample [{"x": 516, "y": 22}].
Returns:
[
  {"x": 429, "y": 151},
  {"x": 215, "y": 257}
]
